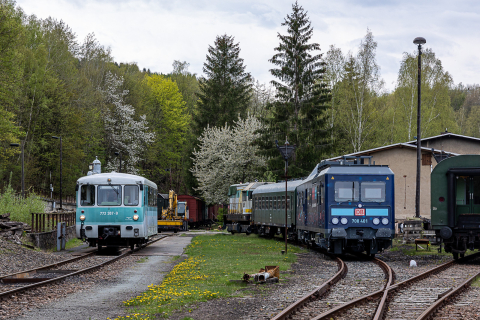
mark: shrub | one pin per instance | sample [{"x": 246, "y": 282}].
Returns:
[
  {"x": 20, "y": 209},
  {"x": 220, "y": 214}
]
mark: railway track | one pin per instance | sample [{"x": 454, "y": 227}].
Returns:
[
  {"x": 49, "y": 274},
  {"x": 433, "y": 289},
  {"x": 335, "y": 292}
]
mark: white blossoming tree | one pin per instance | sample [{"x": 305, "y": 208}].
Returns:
[
  {"x": 226, "y": 156},
  {"x": 123, "y": 133}
]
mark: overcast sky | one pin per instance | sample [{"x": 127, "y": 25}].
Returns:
[{"x": 155, "y": 33}]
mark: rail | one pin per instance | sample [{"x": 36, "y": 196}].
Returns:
[
  {"x": 44, "y": 222},
  {"x": 315, "y": 294}
]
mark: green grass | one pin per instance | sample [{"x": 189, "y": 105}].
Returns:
[
  {"x": 409, "y": 249},
  {"x": 20, "y": 209},
  {"x": 212, "y": 261},
  {"x": 476, "y": 282},
  {"x": 143, "y": 260}
]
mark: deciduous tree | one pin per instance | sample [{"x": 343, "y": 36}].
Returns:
[{"x": 225, "y": 156}]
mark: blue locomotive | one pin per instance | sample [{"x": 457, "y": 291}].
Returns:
[
  {"x": 115, "y": 209},
  {"x": 342, "y": 206}
]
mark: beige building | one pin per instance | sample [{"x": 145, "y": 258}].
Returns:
[{"x": 402, "y": 159}]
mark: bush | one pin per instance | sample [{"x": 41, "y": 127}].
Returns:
[
  {"x": 220, "y": 214},
  {"x": 20, "y": 209}
]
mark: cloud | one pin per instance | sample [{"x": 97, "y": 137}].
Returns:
[{"x": 154, "y": 33}]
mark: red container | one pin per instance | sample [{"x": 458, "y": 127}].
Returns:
[{"x": 196, "y": 210}]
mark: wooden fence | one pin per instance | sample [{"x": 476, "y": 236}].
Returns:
[{"x": 44, "y": 222}]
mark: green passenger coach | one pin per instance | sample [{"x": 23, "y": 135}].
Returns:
[{"x": 455, "y": 203}]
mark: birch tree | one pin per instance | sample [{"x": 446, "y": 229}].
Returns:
[
  {"x": 122, "y": 132},
  {"x": 437, "y": 113},
  {"x": 225, "y": 156},
  {"x": 360, "y": 87}
]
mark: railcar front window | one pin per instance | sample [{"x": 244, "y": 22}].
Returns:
[
  {"x": 87, "y": 195},
  {"x": 109, "y": 195},
  {"x": 131, "y": 197},
  {"x": 346, "y": 191},
  {"x": 373, "y": 191}
]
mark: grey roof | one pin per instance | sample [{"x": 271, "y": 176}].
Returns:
[
  {"x": 278, "y": 187},
  {"x": 358, "y": 169},
  {"x": 392, "y": 146},
  {"x": 116, "y": 178},
  {"x": 446, "y": 135}
]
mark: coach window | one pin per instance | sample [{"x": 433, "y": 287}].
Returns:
[
  {"x": 109, "y": 195},
  {"x": 87, "y": 195},
  {"x": 288, "y": 203},
  {"x": 346, "y": 191},
  {"x": 131, "y": 196},
  {"x": 373, "y": 191},
  {"x": 262, "y": 203}
]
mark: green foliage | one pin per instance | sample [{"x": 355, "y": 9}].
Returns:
[
  {"x": 298, "y": 114},
  {"x": 20, "y": 209},
  {"x": 225, "y": 91},
  {"x": 167, "y": 113},
  {"x": 220, "y": 214}
]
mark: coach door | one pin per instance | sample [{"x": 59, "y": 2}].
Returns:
[{"x": 468, "y": 195}]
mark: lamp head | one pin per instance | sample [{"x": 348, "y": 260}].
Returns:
[
  {"x": 14, "y": 145},
  {"x": 117, "y": 153},
  {"x": 54, "y": 137},
  {"x": 419, "y": 40}
]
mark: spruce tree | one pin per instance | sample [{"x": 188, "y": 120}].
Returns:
[
  {"x": 226, "y": 88},
  {"x": 302, "y": 98}
]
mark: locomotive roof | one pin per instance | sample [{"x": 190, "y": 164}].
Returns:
[
  {"x": 357, "y": 169},
  {"x": 232, "y": 190},
  {"x": 117, "y": 178},
  {"x": 278, "y": 187}
]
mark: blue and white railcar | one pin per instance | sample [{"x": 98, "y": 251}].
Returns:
[
  {"x": 115, "y": 209},
  {"x": 347, "y": 206}
]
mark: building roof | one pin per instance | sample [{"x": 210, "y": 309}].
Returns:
[
  {"x": 446, "y": 135},
  {"x": 394, "y": 146}
]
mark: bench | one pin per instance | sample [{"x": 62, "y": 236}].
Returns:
[{"x": 422, "y": 241}]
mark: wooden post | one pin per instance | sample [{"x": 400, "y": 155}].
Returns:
[{"x": 32, "y": 222}]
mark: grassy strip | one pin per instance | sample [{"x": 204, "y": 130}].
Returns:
[
  {"x": 409, "y": 249},
  {"x": 212, "y": 261}
]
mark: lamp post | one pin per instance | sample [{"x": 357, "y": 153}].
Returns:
[
  {"x": 286, "y": 152},
  {"x": 22, "y": 160},
  {"x": 117, "y": 153},
  {"x": 419, "y": 41},
  {"x": 60, "y": 169}
]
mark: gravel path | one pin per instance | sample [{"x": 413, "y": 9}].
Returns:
[{"x": 97, "y": 295}]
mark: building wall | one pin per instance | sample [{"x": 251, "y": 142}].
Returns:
[
  {"x": 454, "y": 144},
  {"x": 403, "y": 163}
]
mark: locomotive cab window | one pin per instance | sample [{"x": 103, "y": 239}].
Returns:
[
  {"x": 110, "y": 195},
  {"x": 346, "y": 191},
  {"x": 87, "y": 195},
  {"x": 373, "y": 191},
  {"x": 131, "y": 197}
]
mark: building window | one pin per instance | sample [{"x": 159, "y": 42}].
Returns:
[{"x": 426, "y": 159}]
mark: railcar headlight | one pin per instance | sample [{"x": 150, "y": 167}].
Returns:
[
  {"x": 385, "y": 221},
  {"x": 135, "y": 217},
  {"x": 344, "y": 221},
  {"x": 82, "y": 217},
  {"x": 376, "y": 221},
  {"x": 335, "y": 220}
]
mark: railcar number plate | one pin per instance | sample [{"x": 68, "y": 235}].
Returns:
[
  {"x": 359, "y": 220},
  {"x": 109, "y": 213},
  {"x": 360, "y": 212}
]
